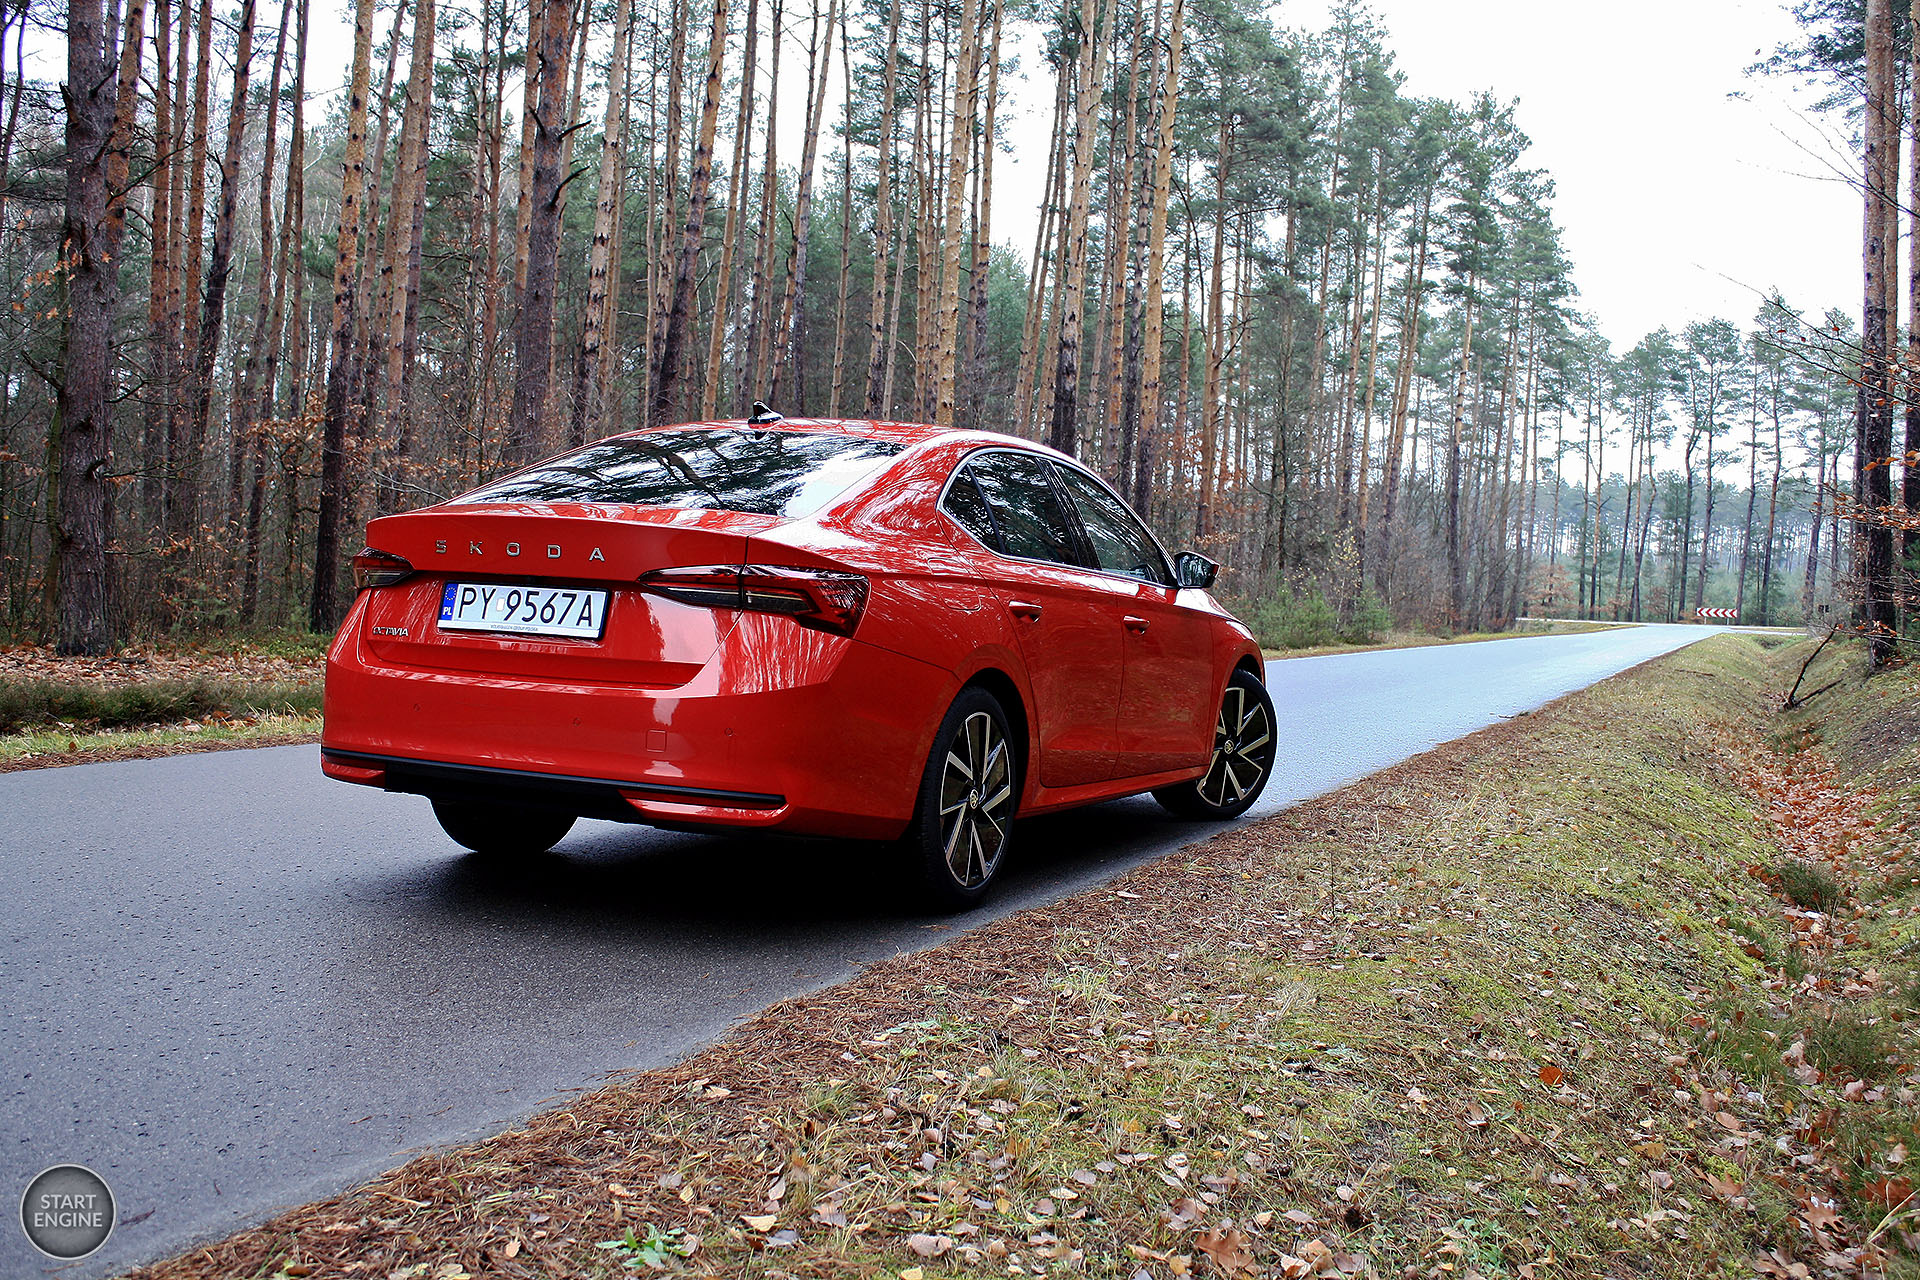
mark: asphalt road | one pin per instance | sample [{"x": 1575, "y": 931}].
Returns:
[{"x": 233, "y": 985}]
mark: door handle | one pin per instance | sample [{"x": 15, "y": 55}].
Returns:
[
  {"x": 1136, "y": 625},
  {"x": 1024, "y": 609}
]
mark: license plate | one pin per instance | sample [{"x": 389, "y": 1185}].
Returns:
[{"x": 538, "y": 611}]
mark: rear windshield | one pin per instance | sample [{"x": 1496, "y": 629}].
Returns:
[{"x": 774, "y": 473}]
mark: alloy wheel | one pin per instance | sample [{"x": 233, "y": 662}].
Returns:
[
  {"x": 976, "y": 800},
  {"x": 1242, "y": 749}
]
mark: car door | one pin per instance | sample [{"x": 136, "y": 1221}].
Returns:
[
  {"x": 1064, "y": 614},
  {"x": 1167, "y": 695}
]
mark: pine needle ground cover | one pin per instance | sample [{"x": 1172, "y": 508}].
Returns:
[{"x": 1531, "y": 1005}]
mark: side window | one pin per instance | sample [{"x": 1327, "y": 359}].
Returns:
[
  {"x": 1032, "y": 523},
  {"x": 1120, "y": 544},
  {"x": 964, "y": 503}
]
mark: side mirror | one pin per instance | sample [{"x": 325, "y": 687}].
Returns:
[{"x": 1191, "y": 569}]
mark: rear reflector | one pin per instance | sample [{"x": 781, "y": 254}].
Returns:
[
  {"x": 819, "y": 598},
  {"x": 379, "y": 569},
  {"x": 340, "y": 769}
]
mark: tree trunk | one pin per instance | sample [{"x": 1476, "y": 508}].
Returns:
[
  {"x": 1753, "y": 496},
  {"x": 846, "y": 225},
  {"x": 537, "y": 11},
  {"x": 953, "y": 229},
  {"x": 1166, "y": 105},
  {"x": 1910, "y": 468},
  {"x": 668, "y": 352},
  {"x": 882, "y": 222},
  {"x": 1873, "y": 432},
  {"x": 84, "y": 426},
  {"x": 1706, "y": 526},
  {"x": 982, "y": 231},
  {"x": 736, "y": 183},
  {"x": 753, "y": 368},
  {"x": 533, "y": 327},
  {"x": 785, "y": 334},
  {"x": 1091, "y": 61},
  {"x": 585, "y": 411},
  {"x": 1456, "y": 568},
  {"x": 1773, "y": 511},
  {"x": 1216, "y": 333},
  {"x": 160, "y": 222},
  {"x": 408, "y": 222},
  {"x": 1403, "y": 395},
  {"x": 1033, "y": 327},
  {"x": 220, "y": 263},
  {"x": 182, "y": 477},
  {"x": 323, "y": 611}
]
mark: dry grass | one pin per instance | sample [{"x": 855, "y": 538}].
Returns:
[
  {"x": 1460, "y": 1019},
  {"x": 54, "y": 746}
]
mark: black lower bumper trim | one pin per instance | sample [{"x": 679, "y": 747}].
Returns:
[{"x": 588, "y": 797}]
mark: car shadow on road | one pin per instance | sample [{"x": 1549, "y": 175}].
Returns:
[{"x": 608, "y": 877}]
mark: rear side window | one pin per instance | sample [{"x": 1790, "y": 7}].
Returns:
[
  {"x": 774, "y": 473},
  {"x": 964, "y": 503},
  {"x": 1026, "y": 508},
  {"x": 1120, "y": 543}
]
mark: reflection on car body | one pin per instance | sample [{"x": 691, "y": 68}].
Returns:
[{"x": 872, "y": 630}]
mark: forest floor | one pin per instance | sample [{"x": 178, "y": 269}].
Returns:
[
  {"x": 1624, "y": 987},
  {"x": 1421, "y": 639},
  {"x": 157, "y": 699}
]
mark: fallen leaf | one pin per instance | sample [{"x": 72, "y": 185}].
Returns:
[
  {"x": 1551, "y": 1076},
  {"x": 1892, "y": 1192},
  {"x": 760, "y": 1221},
  {"x": 1227, "y": 1249},
  {"x": 930, "y": 1246}
]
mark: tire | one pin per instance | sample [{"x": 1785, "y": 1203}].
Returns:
[
  {"x": 969, "y": 790},
  {"x": 500, "y": 830},
  {"x": 1244, "y": 743}
]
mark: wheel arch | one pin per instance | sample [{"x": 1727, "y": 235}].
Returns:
[{"x": 1251, "y": 664}]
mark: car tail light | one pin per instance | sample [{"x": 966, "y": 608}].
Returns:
[
  {"x": 379, "y": 569},
  {"x": 819, "y": 598}
]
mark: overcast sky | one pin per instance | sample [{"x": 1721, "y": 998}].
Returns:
[{"x": 1678, "y": 201}]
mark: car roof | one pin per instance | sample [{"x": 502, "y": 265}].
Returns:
[{"x": 905, "y": 433}]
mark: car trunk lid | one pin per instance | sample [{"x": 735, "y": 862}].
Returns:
[{"x": 644, "y": 640}]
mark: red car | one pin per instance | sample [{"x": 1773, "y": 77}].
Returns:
[{"x": 854, "y": 629}]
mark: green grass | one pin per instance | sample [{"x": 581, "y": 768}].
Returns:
[
  {"x": 1809, "y": 886},
  {"x": 41, "y": 704}
]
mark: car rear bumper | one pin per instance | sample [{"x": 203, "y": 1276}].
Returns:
[{"x": 806, "y": 733}]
